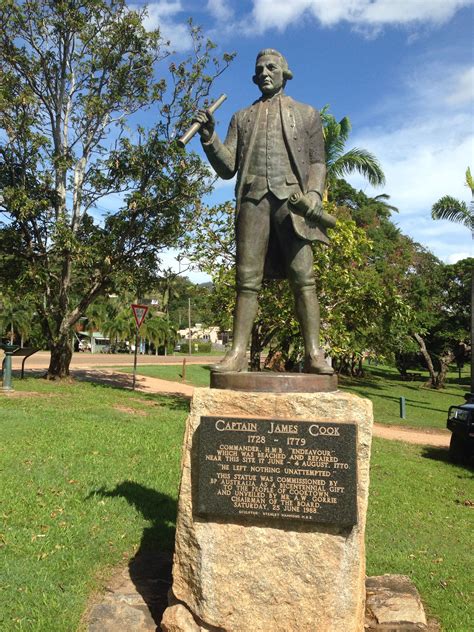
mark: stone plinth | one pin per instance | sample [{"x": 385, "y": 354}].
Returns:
[{"x": 244, "y": 575}]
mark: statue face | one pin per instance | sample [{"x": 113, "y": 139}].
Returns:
[{"x": 269, "y": 74}]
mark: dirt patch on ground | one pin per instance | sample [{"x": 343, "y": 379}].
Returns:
[
  {"x": 26, "y": 394},
  {"x": 129, "y": 410},
  {"x": 147, "y": 402}
]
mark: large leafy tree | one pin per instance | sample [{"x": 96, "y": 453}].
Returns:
[
  {"x": 444, "y": 336},
  {"x": 457, "y": 211},
  {"x": 73, "y": 78}
]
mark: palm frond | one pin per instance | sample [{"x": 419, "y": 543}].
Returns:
[
  {"x": 469, "y": 180},
  {"x": 361, "y": 161},
  {"x": 382, "y": 199},
  {"x": 453, "y": 210}
]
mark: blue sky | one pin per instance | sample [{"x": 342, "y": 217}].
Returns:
[{"x": 402, "y": 70}]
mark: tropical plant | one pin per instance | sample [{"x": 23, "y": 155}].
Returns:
[
  {"x": 341, "y": 163},
  {"x": 15, "y": 319},
  {"x": 454, "y": 210}
]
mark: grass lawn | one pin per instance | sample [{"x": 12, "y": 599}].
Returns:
[
  {"x": 420, "y": 524},
  {"x": 425, "y": 407},
  {"x": 91, "y": 473}
]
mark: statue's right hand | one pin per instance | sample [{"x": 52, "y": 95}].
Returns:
[{"x": 207, "y": 123}]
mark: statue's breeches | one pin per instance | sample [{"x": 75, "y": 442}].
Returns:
[{"x": 256, "y": 223}]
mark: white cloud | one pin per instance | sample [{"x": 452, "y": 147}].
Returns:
[
  {"x": 220, "y": 9},
  {"x": 163, "y": 15},
  {"x": 438, "y": 85},
  {"x": 424, "y": 153},
  {"x": 279, "y": 14},
  {"x": 457, "y": 256}
]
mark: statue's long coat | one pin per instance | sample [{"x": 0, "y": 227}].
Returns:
[
  {"x": 303, "y": 133},
  {"x": 302, "y": 130}
]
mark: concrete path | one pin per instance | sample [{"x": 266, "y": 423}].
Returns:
[
  {"x": 145, "y": 384},
  {"x": 420, "y": 436}
]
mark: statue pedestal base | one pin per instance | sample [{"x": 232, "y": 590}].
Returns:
[
  {"x": 271, "y": 382},
  {"x": 246, "y": 574}
]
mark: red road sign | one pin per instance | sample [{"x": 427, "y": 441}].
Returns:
[{"x": 139, "y": 311}]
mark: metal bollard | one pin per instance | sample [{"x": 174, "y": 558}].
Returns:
[
  {"x": 7, "y": 373},
  {"x": 402, "y": 408}
]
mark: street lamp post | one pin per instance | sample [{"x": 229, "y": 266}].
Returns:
[
  {"x": 189, "y": 327},
  {"x": 471, "y": 208}
]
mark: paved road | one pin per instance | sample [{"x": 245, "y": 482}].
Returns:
[{"x": 40, "y": 360}]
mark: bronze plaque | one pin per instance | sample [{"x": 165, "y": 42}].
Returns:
[{"x": 273, "y": 468}]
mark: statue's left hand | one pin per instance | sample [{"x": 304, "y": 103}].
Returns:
[{"x": 316, "y": 206}]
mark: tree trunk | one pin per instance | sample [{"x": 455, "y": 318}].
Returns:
[
  {"x": 61, "y": 354},
  {"x": 445, "y": 361},
  {"x": 429, "y": 362}
]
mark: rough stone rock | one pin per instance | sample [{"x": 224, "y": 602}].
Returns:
[
  {"x": 135, "y": 597},
  {"x": 178, "y": 618},
  {"x": 393, "y": 605},
  {"x": 119, "y": 617},
  {"x": 277, "y": 576}
]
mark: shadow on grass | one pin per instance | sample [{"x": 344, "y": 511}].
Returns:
[
  {"x": 122, "y": 381},
  {"x": 150, "y": 568},
  {"x": 442, "y": 454},
  {"x": 436, "y": 454}
]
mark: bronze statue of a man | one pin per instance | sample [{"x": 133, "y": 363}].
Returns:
[{"x": 276, "y": 148}]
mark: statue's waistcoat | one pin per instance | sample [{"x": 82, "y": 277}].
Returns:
[
  {"x": 269, "y": 167},
  {"x": 290, "y": 144}
]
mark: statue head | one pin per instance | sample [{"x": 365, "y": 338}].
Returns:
[{"x": 271, "y": 71}]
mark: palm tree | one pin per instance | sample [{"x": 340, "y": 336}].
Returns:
[
  {"x": 457, "y": 211},
  {"x": 338, "y": 163},
  {"x": 157, "y": 330},
  {"x": 15, "y": 319},
  {"x": 120, "y": 326}
]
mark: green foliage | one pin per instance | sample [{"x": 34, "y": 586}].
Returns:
[
  {"x": 114, "y": 318},
  {"x": 176, "y": 293},
  {"x": 340, "y": 163},
  {"x": 72, "y": 76},
  {"x": 15, "y": 319}
]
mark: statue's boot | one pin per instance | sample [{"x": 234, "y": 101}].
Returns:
[
  {"x": 244, "y": 315},
  {"x": 307, "y": 312}
]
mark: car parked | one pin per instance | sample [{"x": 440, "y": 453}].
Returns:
[{"x": 461, "y": 423}]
